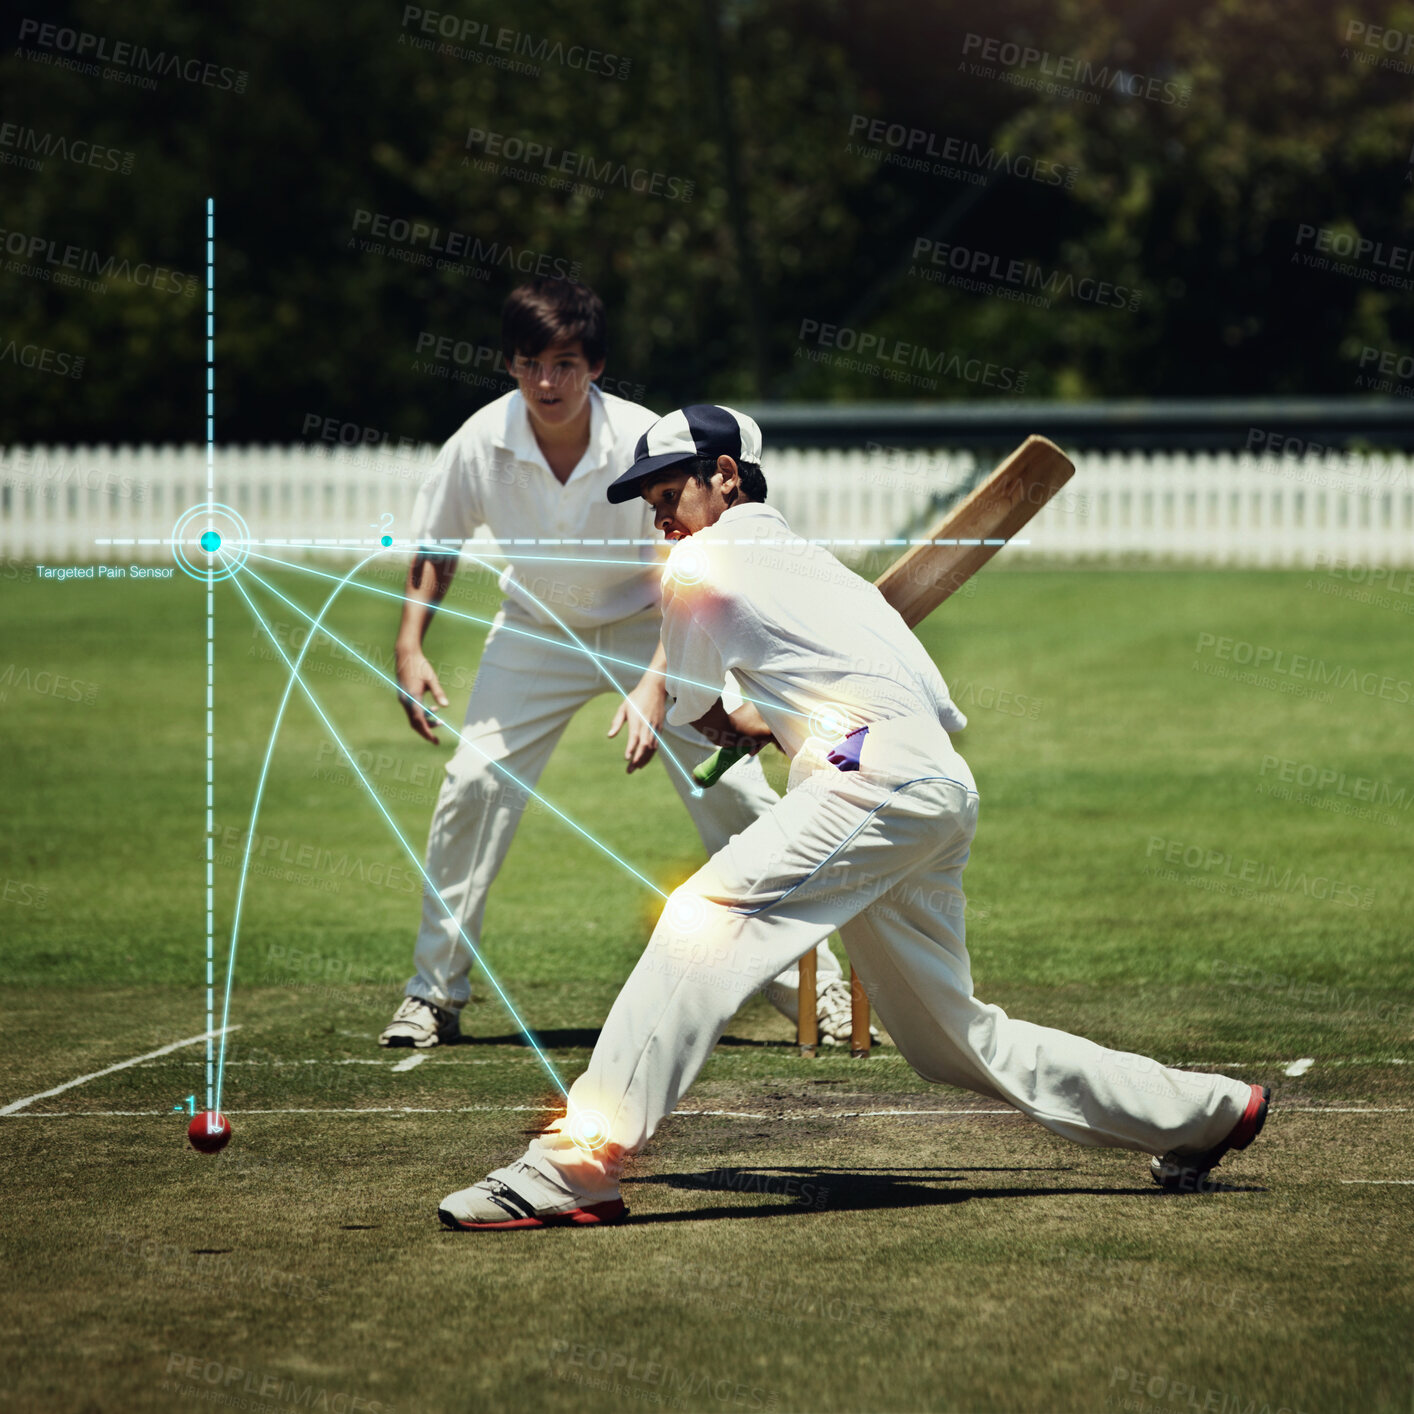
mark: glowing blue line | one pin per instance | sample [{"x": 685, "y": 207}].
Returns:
[
  {"x": 507, "y": 628},
  {"x": 210, "y": 794},
  {"x": 598, "y": 659},
  {"x": 250, "y": 835},
  {"x": 410, "y": 546},
  {"x": 607, "y": 675},
  {"x": 210, "y": 653},
  {"x": 449, "y": 547},
  {"x": 442, "y": 722},
  {"x": 392, "y": 824}
]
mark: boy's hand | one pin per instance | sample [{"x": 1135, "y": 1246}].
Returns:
[
  {"x": 644, "y": 709},
  {"x": 744, "y": 727},
  {"x": 751, "y": 724},
  {"x": 416, "y": 677}
]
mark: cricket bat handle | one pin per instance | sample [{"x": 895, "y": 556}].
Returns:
[{"x": 710, "y": 771}]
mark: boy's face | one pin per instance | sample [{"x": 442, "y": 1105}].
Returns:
[
  {"x": 682, "y": 505},
  {"x": 555, "y": 382}
]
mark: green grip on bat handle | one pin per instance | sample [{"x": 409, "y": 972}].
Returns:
[{"x": 718, "y": 764}]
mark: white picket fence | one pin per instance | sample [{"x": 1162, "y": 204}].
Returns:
[{"x": 101, "y": 503}]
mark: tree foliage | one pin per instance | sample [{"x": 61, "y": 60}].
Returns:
[{"x": 773, "y": 217}]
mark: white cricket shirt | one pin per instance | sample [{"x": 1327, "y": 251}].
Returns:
[
  {"x": 492, "y": 473},
  {"x": 815, "y": 647}
]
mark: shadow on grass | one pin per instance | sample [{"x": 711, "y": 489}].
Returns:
[
  {"x": 811, "y": 1190},
  {"x": 551, "y": 1039}
]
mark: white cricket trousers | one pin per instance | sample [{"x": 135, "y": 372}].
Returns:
[
  {"x": 525, "y": 693},
  {"x": 879, "y": 854}
]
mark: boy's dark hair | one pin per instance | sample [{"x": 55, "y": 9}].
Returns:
[
  {"x": 753, "y": 479},
  {"x": 548, "y": 310}
]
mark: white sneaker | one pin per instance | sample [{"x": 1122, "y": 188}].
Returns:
[
  {"x": 419, "y": 1023},
  {"x": 835, "y": 1014},
  {"x": 494, "y": 1204}
]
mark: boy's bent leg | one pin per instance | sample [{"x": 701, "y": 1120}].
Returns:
[
  {"x": 728, "y": 808},
  {"x": 910, "y": 951},
  {"x": 775, "y": 891},
  {"x": 689, "y": 983}
]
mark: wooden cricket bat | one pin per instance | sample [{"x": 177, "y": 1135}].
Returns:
[
  {"x": 960, "y": 543},
  {"x": 926, "y": 575}
]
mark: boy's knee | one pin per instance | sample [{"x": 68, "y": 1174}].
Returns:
[
  {"x": 694, "y": 931},
  {"x": 478, "y": 781}
]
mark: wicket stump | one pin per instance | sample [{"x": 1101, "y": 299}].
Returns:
[{"x": 807, "y": 1025}]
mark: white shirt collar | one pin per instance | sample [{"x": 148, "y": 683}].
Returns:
[
  {"x": 518, "y": 437},
  {"x": 738, "y": 516}
]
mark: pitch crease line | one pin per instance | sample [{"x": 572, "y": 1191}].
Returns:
[{"x": 15, "y": 1106}]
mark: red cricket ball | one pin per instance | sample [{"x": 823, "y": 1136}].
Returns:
[{"x": 209, "y": 1132}]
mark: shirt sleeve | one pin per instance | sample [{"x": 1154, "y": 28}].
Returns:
[
  {"x": 695, "y": 674},
  {"x": 448, "y": 503}
]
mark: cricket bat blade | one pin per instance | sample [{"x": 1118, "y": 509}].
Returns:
[{"x": 995, "y": 511}]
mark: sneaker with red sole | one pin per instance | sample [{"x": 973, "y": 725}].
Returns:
[
  {"x": 1188, "y": 1173},
  {"x": 494, "y": 1206}
]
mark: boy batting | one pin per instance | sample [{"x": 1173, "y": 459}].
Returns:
[
  {"x": 771, "y": 639},
  {"x": 533, "y": 466}
]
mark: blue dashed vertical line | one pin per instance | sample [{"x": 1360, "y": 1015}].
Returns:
[{"x": 210, "y": 653}]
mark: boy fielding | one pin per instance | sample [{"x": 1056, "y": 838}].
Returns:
[
  {"x": 771, "y": 639},
  {"x": 534, "y": 466}
]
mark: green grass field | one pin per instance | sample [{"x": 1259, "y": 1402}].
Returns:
[{"x": 806, "y": 1235}]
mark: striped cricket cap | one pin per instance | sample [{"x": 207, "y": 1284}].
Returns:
[{"x": 702, "y": 430}]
